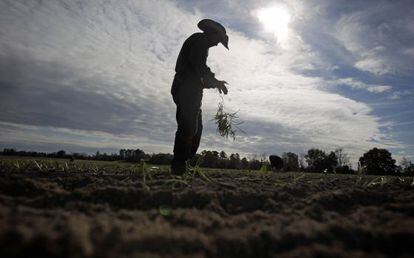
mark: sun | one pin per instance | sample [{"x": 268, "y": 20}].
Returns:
[{"x": 275, "y": 20}]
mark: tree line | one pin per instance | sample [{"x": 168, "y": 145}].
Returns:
[{"x": 375, "y": 161}]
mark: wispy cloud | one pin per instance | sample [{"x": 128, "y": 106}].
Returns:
[
  {"x": 401, "y": 94},
  {"x": 369, "y": 34},
  {"x": 355, "y": 84}
]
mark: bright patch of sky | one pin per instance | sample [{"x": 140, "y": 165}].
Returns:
[{"x": 96, "y": 75}]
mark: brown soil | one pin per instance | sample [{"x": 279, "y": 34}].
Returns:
[{"x": 236, "y": 214}]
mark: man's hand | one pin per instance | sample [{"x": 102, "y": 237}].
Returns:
[{"x": 222, "y": 87}]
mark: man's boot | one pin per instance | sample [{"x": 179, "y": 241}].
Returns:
[
  {"x": 182, "y": 147},
  {"x": 178, "y": 167}
]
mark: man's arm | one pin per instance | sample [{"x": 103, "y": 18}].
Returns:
[{"x": 198, "y": 60}]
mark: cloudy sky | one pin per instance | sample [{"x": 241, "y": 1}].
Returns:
[{"x": 96, "y": 75}]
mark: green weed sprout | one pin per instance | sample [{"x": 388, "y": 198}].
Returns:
[
  {"x": 38, "y": 166},
  {"x": 196, "y": 170},
  {"x": 144, "y": 171},
  {"x": 165, "y": 210},
  {"x": 263, "y": 168},
  {"x": 189, "y": 175},
  {"x": 227, "y": 123},
  {"x": 378, "y": 181}
]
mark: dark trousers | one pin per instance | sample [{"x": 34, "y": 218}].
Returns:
[{"x": 187, "y": 96}]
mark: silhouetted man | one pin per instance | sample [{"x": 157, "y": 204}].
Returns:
[{"x": 192, "y": 76}]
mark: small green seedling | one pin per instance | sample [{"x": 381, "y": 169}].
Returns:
[
  {"x": 196, "y": 170},
  {"x": 263, "y": 168},
  {"x": 144, "y": 172},
  {"x": 382, "y": 180},
  {"x": 176, "y": 181},
  {"x": 402, "y": 180},
  {"x": 38, "y": 165},
  {"x": 165, "y": 210},
  {"x": 297, "y": 177},
  {"x": 199, "y": 172},
  {"x": 284, "y": 182}
]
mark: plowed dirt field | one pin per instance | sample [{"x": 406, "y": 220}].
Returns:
[{"x": 225, "y": 214}]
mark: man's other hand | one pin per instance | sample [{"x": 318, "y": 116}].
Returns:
[{"x": 221, "y": 86}]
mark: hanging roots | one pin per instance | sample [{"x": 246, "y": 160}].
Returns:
[{"x": 227, "y": 123}]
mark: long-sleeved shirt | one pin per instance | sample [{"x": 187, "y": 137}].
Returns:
[{"x": 191, "y": 62}]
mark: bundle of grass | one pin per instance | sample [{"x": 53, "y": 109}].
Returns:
[{"x": 227, "y": 123}]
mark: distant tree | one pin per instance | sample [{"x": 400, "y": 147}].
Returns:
[
  {"x": 342, "y": 157},
  {"x": 138, "y": 155},
  {"x": 378, "y": 162},
  {"x": 222, "y": 161},
  {"x": 290, "y": 161},
  {"x": 9, "y": 152},
  {"x": 264, "y": 157},
  {"x": 244, "y": 163},
  {"x": 122, "y": 154},
  {"x": 160, "y": 159},
  {"x": 316, "y": 160},
  {"x": 76, "y": 155},
  {"x": 319, "y": 161},
  {"x": 407, "y": 167},
  {"x": 404, "y": 162},
  {"x": 255, "y": 164},
  {"x": 331, "y": 162},
  {"x": 234, "y": 161},
  {"x": 209, "y": 158},
  {"x": 409, "y": 170},
  {"x": 131, "y": 155},
  {"x": 343, "y": 163},
  {"x": 61, "y": 154},
  {"x": 302, "y": 161},
  {"x": 344, "y": 170}
]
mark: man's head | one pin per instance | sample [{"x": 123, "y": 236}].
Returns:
[{"x": 215, "y": 32}]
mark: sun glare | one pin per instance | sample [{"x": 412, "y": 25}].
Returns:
[{"x": 275, "y": 20}]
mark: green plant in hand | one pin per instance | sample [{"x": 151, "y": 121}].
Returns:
[{"x": 227, "y": 123}]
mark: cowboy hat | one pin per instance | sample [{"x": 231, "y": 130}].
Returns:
[{"x": 210, "y": 25}]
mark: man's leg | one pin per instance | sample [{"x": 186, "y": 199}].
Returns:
[
  {"x": 187, "y": 119},
  {"x": 197, "y": 136},
  {"x": 181, "y": 146}
]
